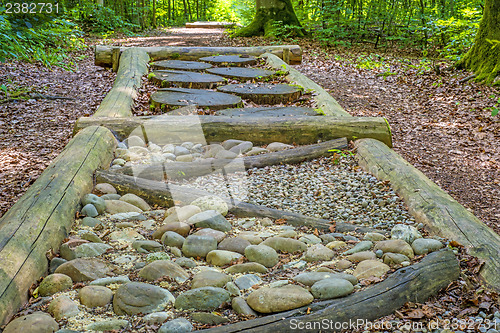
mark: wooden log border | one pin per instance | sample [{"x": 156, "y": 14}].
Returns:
[
  {"x": 298, "y": 130},
  {"x": 43, "y": 216},
  {"x": 103, "y": 54},
  {"x": 326, "y": 103},
  {"x": 432, "y": 206},
  {"x": 120, "y": 99}
]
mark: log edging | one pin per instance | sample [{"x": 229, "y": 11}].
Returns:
[
  {"x": 326, "y": 103},
  {"x": 103, "y": 54},
  {"x": 432, "y": 206},
  {"x": 120, "y": 99},
  {"x": 42, "y": 217},
  {"x": 415, "y": 283}
]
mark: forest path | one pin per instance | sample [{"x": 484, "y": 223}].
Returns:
[{"x": 440, "y": 125}]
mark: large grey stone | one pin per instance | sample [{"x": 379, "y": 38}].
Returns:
[
  {"x": 242, "y": 147},
  {"x": 93, "y": 296},
  {"x": 85, "y": 269},
  {"x": 136, "y": 201},
  {"x": 54, "y": 283},
  {"x": 96, "y": 201},
  {"x": 110, "y": 280},
  {"x": 426, "y": 245},
  {"x": 198, "y": 246},
  {"x": 147, "y": 246},
  {"x": 331, "y": 288},
  {"x": 247, "y": 281},
  {"x": 163, "y": 268},
  {"x": 211, "y": 202},
  {"x": 277, "y": 146},
  {"x": 240, "y": 306},
  {"x": 37, "y": 322},
  {"x": 204, "y": 299},
  {"x": 361, "y": 246},
  {"x": 288, "y": 297},
  {"x": 370, "y": 268},
  {"x": 318, "y": 252},
  {"x": 210, "y": 219},
  {"x": 108, "y": 325},
  {"x": 218, "y": 235},
  {"x": 234, "y": 244},
  {"x": 221, "y": 257},
  {"x": 262, "y": 254},
  {"x": 310, "y": 278},
  {"x": 181, "y": 214},
  {"x": 395, "y": 246},
  {"x": 89, "y": 210},
  {"x": 136, "y": 297},
  {"x": 405, "y": 232},
  {"x": 179, "y": 325},
  {"x": 209, "y": 278},
  {"x": 287, "y": 245},
  {"x": 63, "y": 307},
  {"x": 171, "y": 238},
  {"x": 118, "y": 206},
  {"x": 247, "y": 267}
]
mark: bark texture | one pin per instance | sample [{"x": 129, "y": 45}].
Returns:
[
  {"x": 270, "y": 17},
  {"x": 484, "y": 57}
]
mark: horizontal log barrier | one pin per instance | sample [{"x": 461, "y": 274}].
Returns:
[
  {"x": 104, "y": 53},
  {"x": 163, "y": 194},
  {"x": 43, "y": 216},
  {"x": 181, "y": 170},
  {"x": 415, "y": 283},
  {"x": 298, "y": 130},
  {"x": 120, "y": 99},
  {"x": 440, "y": 213},
  {"x": 325, "y": 102}
]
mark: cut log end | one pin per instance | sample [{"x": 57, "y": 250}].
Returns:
[
  {"x": 239, "y": 60},
  {"x": 184, "y": 79},
  {"x": 180, "y": 65},
  {"x": 269, "y": 94},
  {"x": 175, "y": 97}
]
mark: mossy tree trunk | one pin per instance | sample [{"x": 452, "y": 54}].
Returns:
[
  {"x": 484, "y": 57},
  {"x": 270, "y": 16}
]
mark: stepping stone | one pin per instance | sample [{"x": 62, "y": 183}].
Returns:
[
  {"x": 242, "y": 73},
  {"x": 264, "y": 93},
  {"x": 230, "y": 60},
  {"x": 268, "y": 112},
  {"x": 269, "y": 300},
  {"x": 183, "y": 79},
  {"x": 204, "y": 299},
  {"x": 174, "y": 97},
  {"x": 180, "y": 65}
]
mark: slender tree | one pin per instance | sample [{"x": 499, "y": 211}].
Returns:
[
  {"x": 269, "y": 14},
  {"x": 484, "y": 56}
]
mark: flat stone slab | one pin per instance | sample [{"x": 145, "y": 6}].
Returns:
[
  {"x": 202, "y": 98},
  {"x": 264, "y": 93},
  {"x": 180, "y": 65},
  {"x": 184, "y": 79},
  {"x": 230, "y": 60},
  {"x": 241, "y": 72},
  {"x": 268, "y": 112}
]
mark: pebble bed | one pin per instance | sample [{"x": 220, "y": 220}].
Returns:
[{"x": 131, "y": 267}]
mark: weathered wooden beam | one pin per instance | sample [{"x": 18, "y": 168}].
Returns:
[
  {"x": 103, "y": 53},
  {"x": 182, "y": 170},
  {"x": 43, "y": 216},
  {"x": 324, "y": 100},
  {"x": 164, "y": 194},
  {"x": 299, "y": 130},
  {"x": 432, "y": 206},
  {"x": 120, "y": 99},
  {"x": 415, "y": 283}
]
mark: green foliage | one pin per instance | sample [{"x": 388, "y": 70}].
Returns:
[
  {"x": 100, "y": 20},
  {"x": 48, "y": 42},
  {"x": 496, "y": 108}
]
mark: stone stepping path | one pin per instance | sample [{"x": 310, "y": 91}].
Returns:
[
  {"x": 180, "y": 65},
  {"x": 191, "y": 262},
  {"x": 241, "y": 73},
  {"x": 264, "y": 93},
  {"x": 230, "y": 60},
  {"x": 184, "y": 79},
  {"x": 175, "y": 97},
  {"x": 268, "y": 112}
]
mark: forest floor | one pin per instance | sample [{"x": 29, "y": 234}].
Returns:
[{"x": 440, "y": 124}]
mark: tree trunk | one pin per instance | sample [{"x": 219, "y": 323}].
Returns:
[
  {"x": 271, "y": 14},
  {"x": 154, "y": 14},
  {"x": 484, "y": 57}
]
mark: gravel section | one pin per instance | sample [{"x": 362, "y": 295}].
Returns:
[{"x": 319, "y": 188}]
